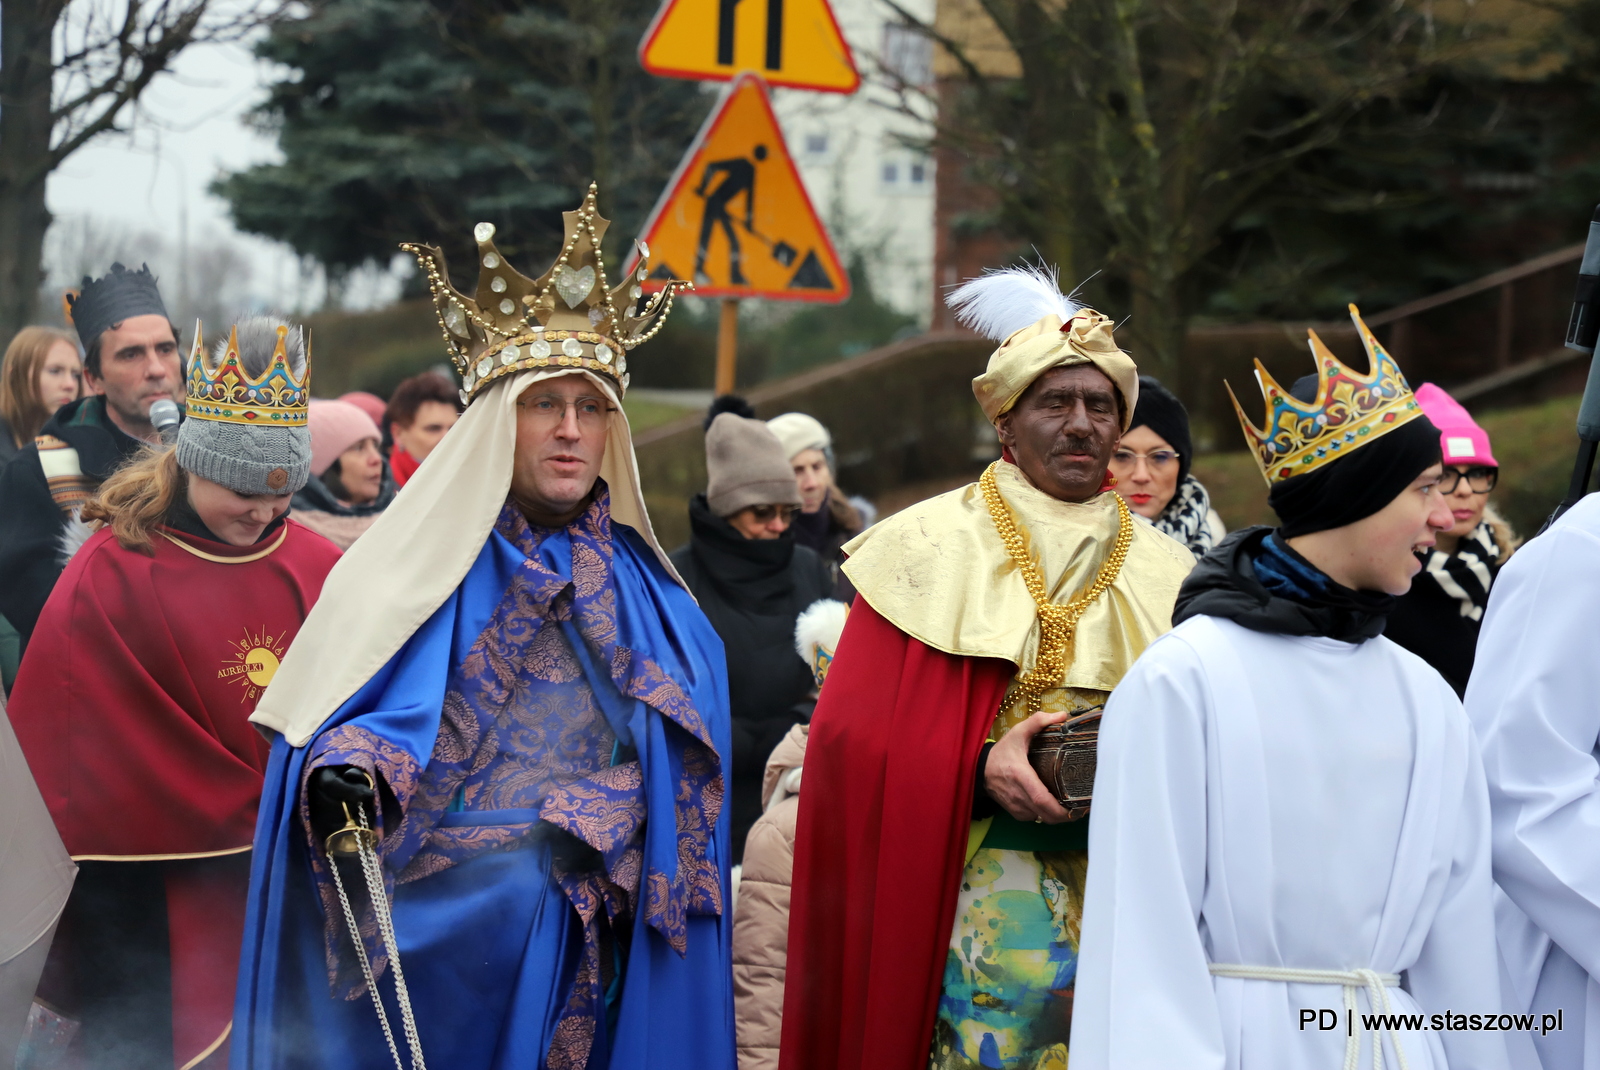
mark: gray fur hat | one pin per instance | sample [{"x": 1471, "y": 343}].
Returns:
[{"x": 247, "y": 458}]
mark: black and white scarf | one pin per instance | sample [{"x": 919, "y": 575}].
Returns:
[
  {"x": 1186, "y": 517},
  {"x": 1467, "y": 574}
]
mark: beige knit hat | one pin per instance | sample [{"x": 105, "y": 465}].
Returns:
[
  {"x": 799, "y": 432},
  {"x": 746, "y": 465}
]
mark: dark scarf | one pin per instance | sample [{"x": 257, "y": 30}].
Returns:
[
  {"x": 183, "y": 519},
  {"x": 749, "y": 574},
  {"x": 813, "y": 529},
  {"x": 316, "y": 496},
  {"x": 1256, "y": 580}
]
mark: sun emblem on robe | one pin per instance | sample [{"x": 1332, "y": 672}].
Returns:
[{"x": 253, "y": 661}]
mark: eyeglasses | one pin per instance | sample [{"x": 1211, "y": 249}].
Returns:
[
  {"x": 764, "y": 514},
  {"x": 1158, "y": 460},
  {"x": 550, "y": 410},
  {"x": 1480, "y": 477}
]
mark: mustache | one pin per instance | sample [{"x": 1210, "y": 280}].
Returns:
[{"x": 1076, "y": 444}]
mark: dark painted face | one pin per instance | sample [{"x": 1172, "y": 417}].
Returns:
[{"x": 1063, "y": 430}]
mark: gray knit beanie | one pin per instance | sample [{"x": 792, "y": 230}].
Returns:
[
  {"x": 746, "y": 465},
  {"x": 249, "y": 459}
]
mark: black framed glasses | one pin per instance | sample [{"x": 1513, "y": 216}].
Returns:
[{"x": 1480, "y": 477}]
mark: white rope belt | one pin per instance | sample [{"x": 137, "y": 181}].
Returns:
[{"x": 1377, "y": 986}]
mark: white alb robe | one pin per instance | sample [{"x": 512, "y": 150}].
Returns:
[
  {"x": 1534, "y": 699},
  {"x": 1273, "y": 800}
]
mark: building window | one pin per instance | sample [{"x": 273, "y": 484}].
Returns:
[
  {"x": 907, "y": 55},
  {"x": 919, "y": 173},
  {"x": 891, "y": 173},
  {"x": 816, "y": 144}
]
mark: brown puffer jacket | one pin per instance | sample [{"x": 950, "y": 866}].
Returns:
[{"x": 761, "y": 916}]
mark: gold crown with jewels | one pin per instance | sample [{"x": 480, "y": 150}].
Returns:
[
  {"x": 569, "y": 317},
  {"x": 1349, "y": 411},
  {"x": 228, "y": 394}
]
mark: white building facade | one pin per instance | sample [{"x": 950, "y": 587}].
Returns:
[{"x": 858, "y": 154}]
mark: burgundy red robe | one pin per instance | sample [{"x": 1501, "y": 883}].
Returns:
[
  {"x": 132, "y": 706},
  {"x": 880, "y": 846}
]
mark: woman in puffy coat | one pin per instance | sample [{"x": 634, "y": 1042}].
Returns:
[{"x": 761, "y": 911}]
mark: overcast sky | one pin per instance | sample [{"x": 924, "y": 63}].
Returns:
[{"x": 189, "y": 130}]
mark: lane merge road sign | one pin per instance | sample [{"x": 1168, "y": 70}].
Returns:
[{"x": 791, "y": 43}]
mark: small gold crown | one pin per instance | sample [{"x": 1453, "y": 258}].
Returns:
[
  {"x": 569, "y": 317},
  {"x": 228, "y": 394},
  {"x": 1349, "y": 411}
]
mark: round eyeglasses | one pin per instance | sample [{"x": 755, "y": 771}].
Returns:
[
  {"x": 1158, "y": 460},
  {"x": 551, "y": 409}
]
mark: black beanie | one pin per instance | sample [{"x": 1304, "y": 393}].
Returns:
[
  {"x": 1160, "y": 410},
  {"x": 1358, "y": 484}
]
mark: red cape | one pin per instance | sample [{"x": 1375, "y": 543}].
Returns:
[
  {"x": 132, "y": 706},
  {"x": 880, "y": 846},
  {"x": 134, "y": 697}
]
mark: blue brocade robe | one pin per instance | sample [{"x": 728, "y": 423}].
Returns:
[{"x": 553, "y": 838}]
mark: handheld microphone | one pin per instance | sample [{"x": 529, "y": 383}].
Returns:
[
  {"x": 1583, "y": 330},
  {"x": 164, "y": 414},
  {"x": 1583, "y": 327}
]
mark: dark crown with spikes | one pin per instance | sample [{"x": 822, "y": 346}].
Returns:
[{"x": 569, "y": 317}]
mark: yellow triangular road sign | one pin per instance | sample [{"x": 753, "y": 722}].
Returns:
[
  {"x": 790, "y": 43},
  {"x": 735, "y": 217}
]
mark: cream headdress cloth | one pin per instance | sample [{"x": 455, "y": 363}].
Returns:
[
  {"x": 404, "y": 567},
  {"x": 1038, "y": 328}
]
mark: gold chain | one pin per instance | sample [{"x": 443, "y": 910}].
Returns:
[{"x": 1057, "y": 622}]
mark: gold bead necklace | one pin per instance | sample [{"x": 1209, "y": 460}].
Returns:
[{"x": 1057, "y": 622}]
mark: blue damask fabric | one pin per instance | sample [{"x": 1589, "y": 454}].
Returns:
[{"x": 568, "y": 685}]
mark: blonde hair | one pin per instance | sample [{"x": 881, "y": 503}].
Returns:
[
  {"x": 20, "y": 404},
  {"x": 138, "y": 497}
]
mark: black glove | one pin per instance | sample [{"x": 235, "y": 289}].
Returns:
[{"x": 330, "y": 789}]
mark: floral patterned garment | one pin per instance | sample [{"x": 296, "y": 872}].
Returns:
[
  {"x": 1006, "y": 1000},
  {"x": 535, "y": 733}
]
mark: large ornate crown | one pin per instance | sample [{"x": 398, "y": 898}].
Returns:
[
  {"x": 1349, "y": 411},
  {"x": 227, "y": 394},
  {"x": 569, "y": 317}
]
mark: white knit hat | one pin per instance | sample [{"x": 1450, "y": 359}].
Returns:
[{"x": 799, "y": 432}]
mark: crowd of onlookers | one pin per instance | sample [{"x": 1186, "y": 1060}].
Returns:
[{"x": 763, "y": 556}]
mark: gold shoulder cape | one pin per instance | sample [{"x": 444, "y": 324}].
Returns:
[{"x": 939, "y": 572}]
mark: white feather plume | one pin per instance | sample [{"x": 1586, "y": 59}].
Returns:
[{"x": 1001, "y": 302}]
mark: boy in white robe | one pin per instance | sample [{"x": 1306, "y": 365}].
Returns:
[
  {"x": 1290, "y": 824},
  {"x": 1534, "y": 699}
]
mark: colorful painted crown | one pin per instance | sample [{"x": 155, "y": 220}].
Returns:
[
  {"x": 229, "y": 395},
  {"x": 569, "y": 317},
  {"x": 1348, "y": 412}
]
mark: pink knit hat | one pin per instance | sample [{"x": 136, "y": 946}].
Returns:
[
  {"x": 371, "y": 404},
  {"x": 335, "y": 427},
  {"x": 1460, "y": 437}
]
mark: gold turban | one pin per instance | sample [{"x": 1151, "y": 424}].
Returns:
[{"x": 1049, "y": 343}]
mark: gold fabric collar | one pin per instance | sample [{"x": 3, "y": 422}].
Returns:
[
  {"x": 939, "y": 572},
  {"x": 228, "y": 559}
]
